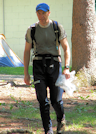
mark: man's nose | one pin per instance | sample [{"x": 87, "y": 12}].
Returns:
[{"x": 41, "y": 16}]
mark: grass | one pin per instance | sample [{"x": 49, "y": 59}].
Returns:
[
  {"x": 82, "y": 115},
  {"x": 80, "y": 118},
  {"x": 16, "y": 70},
  {"x": 26, "y": 110},
  {"x": 29, "y": 112}
]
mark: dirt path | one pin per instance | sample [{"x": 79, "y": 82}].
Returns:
[
  {"x": 11, "y": 85},
  {"x": 11, "y": 77}
]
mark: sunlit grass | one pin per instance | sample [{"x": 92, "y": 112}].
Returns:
[
  {"x": 82, "y": 116},
  {"x": 14, "y": 70},
  {"x": 26, "y": 113}
]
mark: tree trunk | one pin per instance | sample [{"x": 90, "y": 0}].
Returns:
[{"x": 83, "y": 36}]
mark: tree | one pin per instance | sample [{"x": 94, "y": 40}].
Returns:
[{"x": 83, "y": 36}]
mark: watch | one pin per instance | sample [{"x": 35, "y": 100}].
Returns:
[{"x": 67, "y": 67}]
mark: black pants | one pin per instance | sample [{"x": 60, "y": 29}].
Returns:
[{"x": 45, "y": 75}]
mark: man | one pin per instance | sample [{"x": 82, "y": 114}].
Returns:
[{"x": 47, "y": 67}]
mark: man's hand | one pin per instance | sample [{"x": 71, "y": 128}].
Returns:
[
  {"x": 66, "y": 73},
  {"x": 27, "y": 79}
]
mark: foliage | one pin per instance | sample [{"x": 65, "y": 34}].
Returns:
[{"x": 84, "y": 79}]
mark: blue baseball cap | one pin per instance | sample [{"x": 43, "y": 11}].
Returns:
[{"x": 43, "y": 6}]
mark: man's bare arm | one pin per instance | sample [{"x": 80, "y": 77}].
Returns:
[
  {"x": 66, "y": 49},
  {"x": 26, "y": 62}
]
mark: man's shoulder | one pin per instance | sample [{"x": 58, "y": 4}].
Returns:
[
  {"x": 34, "y": 25},
  {"x": 56, "y": 23}
]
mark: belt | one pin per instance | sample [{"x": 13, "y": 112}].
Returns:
[{"x": 47, "y": 55}]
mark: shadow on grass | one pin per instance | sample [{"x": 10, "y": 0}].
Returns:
[
  {"x": 75, "y": 132},
  {"x": 25, "y": 114}
]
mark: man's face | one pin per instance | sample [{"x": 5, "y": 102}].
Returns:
[{"x": 43, "y": 17}]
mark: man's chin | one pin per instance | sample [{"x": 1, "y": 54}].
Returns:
[{"x": 42, "y": 23}]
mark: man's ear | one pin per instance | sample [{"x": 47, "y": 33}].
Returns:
[{"x": 49, "y": 12}]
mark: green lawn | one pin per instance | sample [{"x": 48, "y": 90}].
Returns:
[{"x": 14, "y": 70}]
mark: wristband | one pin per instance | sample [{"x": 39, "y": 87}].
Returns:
[{"x": 67, "y": 67}]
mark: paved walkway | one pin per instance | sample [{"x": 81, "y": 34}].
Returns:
[{"x": 11, "y": 77}]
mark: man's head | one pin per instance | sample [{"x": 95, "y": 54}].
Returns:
[{"x": 43, "y": 12}]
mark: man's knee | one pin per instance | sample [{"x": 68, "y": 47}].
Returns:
[
  {"x": 60, "y": 102},
  {"x": 44, "y": 105}
]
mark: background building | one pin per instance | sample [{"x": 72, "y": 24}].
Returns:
[{"x": 17, "y": 15}]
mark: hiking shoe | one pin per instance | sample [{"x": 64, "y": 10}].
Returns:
[
  {"x": 50, "y": 131},
  {"x": 61, "y": 127}
]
